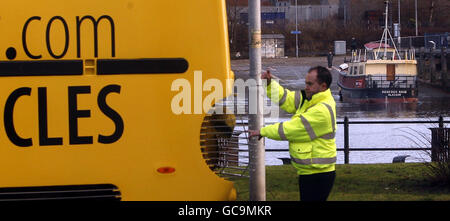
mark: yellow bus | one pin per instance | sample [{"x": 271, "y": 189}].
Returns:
[{"x": 85, "y": 98}]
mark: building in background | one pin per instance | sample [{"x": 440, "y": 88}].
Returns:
[
  {"x": 272, "y": 46},
  {"x": 276, "y": 12}
]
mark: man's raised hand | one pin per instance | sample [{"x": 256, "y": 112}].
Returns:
[{"x": 266, "y": 75}]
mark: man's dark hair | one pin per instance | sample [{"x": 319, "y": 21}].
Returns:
[{"x": 323, "y": 75}]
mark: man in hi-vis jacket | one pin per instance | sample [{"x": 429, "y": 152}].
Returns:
[{"x": 310, "y": 132}]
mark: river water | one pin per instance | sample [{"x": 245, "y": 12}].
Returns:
[{"x": 432, "y": 104}]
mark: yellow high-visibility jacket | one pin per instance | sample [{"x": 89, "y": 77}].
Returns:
[{"x": 310, "y": 132}]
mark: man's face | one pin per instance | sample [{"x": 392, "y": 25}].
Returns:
[{"x": 312, "y": 85}]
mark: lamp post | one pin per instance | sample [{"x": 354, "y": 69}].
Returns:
[
  {"x": 296, "y": 29},
  {"x": 417, "y": 29},
  {"x": 256, "y": 121},
  {"x": 399, "y": 25}
]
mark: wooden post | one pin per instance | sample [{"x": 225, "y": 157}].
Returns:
[
  {"x": 444, "y": 67},
  {"x": 346, "y": 141},
  {"x": 421, "y": 61},
  {"x": 440, "y": 138},
  {"x": 433, "y": 67}
]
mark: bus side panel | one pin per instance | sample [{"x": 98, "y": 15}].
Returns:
[{"x": 71, "y": 108}]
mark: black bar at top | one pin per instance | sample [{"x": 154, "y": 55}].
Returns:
[
  {"x": 41, "y": 68},
  {"x": 142, "y": 66}
]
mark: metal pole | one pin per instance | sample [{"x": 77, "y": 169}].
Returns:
[
  {"x": 386, "y": 28},
  {"x": 345, "y": 11},
  {"x": 296, "y": 29},
  {"x": 417, "y": 29},
  {"x": 346, "y": 142},
  {"x": 399, "y": 26},
  {"x": 256, "y": 121}
]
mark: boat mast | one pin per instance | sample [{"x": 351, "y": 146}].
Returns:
[{"x": 385, "y": 35}]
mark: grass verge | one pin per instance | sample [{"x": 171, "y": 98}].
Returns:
[{"x": 356, "y": 182}]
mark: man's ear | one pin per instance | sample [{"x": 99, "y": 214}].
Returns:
[{"x": 323, "y": 87}]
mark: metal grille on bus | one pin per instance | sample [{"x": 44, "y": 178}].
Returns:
[{"x": 220, "y": 143}]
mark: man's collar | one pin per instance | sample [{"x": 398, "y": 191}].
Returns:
[{"x": 316, "y": 98}]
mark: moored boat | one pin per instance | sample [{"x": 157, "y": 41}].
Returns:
[{"x": 379, "y": 74}]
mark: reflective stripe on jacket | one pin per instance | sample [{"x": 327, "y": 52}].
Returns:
[{"x": 310, "y": 132}]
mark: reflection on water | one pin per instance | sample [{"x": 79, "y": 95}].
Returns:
[
  {"x": 429, "y": 109},
  {"x": 426, "y": 107},
  {"x": 394, "y": 110}
]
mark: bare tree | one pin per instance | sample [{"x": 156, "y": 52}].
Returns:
[{"x": 233, "y": 10}]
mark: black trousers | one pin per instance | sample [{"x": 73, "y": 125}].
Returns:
[
  {"x": 330, "y": 60},
  {"x": 316, "y": 187}
]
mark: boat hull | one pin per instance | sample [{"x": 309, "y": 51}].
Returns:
[
  {"x": 359, "y": 90},
  {"x": 388, "y": 95}
]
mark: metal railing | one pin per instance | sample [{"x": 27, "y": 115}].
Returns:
[
  {"x": 237, "y": 165},
  {"x": 347, "y": 148},
  {"x": 427, "y": 41},
  {"x": 383, "y": 82}
]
